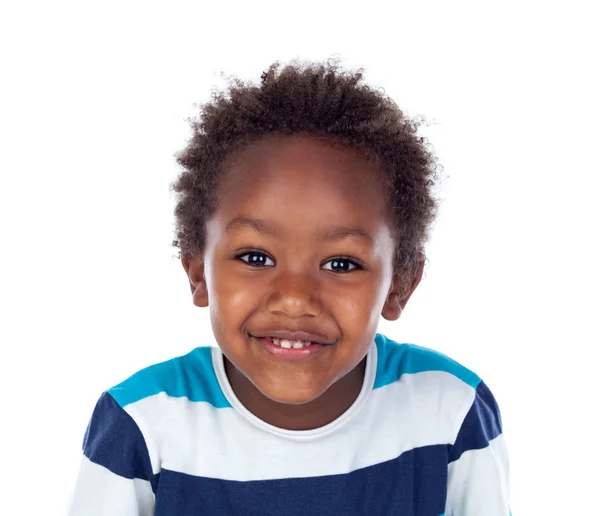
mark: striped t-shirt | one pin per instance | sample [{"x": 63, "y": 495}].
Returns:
[{"x": 424, "y": 437}]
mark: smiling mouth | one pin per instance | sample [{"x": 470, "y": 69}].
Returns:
[
  {"x": 290, "y": 339},
  {"x": 290, "y": 344},
  {"x": 287, "y": 349}
]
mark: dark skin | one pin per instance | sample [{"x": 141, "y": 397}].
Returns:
[{"x": 287, "y": 275}]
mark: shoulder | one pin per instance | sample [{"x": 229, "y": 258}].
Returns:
[
  {"x": 190, "y": 376},
  {"x": 439, "y": 386},
  {"x": 134, "y": 417},
  {"x": 395, "y": 360}
]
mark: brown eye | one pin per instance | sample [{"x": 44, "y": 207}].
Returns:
[
  {"x": 255, "y": 259},
  {"x": 342, "y": 265}
]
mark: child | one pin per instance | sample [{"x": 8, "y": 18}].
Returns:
[{"x": 302, "y": 212}]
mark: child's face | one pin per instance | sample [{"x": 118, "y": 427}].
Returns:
[{"x": 288, "y": 277}]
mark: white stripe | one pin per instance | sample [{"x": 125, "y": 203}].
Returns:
[
  {"x": 99, "y": 492},
  {"x": 478, "y": 482},
  {"x": 195, "y": 438}
]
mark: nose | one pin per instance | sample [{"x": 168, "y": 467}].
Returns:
[{"x": 295, "y": 296}]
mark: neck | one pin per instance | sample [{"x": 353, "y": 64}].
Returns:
[{"x": 306, "y": 416}]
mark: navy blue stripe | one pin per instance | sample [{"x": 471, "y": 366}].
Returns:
[
  {"x": 482, "y": 424},
  {"x": 113, "y": 440},
  {"x": 414, "y": 483}
]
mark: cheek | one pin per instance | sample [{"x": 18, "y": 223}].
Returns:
[
  {"x": 357, "y": 310},
  {"x": 229, "y": 298}
]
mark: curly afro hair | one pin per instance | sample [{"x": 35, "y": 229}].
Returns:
[{"x": 322, "y": 100}]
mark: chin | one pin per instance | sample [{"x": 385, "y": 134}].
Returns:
[{"x": 288, "y": 396}]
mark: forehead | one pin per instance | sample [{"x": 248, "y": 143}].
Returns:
[{"x": 304, "y": 182}]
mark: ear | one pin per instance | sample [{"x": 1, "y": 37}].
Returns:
[
  {"x": 194, "y": 268},
  {"x": 401, "y": 290}
]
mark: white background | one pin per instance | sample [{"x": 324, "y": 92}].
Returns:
[{"x": 93, "y": 106}]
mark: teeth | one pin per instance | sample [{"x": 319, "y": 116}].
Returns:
[{"x": 289, "y": 344}]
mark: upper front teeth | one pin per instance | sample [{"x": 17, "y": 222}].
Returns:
[{"x": 289, "y": 344}]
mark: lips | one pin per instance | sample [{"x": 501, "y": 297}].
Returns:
[
  {"x": 294, "y": 336},
  {"x": 288, "y": 350}
]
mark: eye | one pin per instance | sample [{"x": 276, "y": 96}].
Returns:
[
  {"x": 255, "y": 259},
  {"x": 341, "y": 264}
]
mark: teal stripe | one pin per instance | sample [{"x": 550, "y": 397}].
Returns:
[
  {"x": 191, "y": 376},
  {"x": 395, "y": 359}
]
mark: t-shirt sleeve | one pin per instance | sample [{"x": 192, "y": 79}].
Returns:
[
  {"x": 478, "y": 468},
  {"x": 115, "y": 477}
]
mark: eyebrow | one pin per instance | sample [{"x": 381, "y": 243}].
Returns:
[{"x": 328, "y": 234}]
